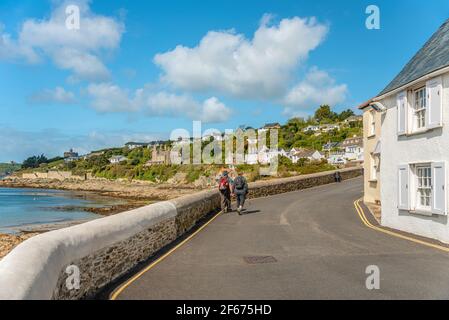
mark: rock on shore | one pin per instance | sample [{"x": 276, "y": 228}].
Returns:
[{"x": 114, "y": 188}]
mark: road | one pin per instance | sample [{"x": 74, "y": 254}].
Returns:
[{"x": 321, "y": 248}]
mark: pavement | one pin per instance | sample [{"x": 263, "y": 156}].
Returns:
[{"x": 321, "y": 250}]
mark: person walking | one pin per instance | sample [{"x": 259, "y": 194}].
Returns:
[
  {"x": 240, "y": 191},
  {"x": 224, "y": 186},
  {"x": 337, "y": 177}
]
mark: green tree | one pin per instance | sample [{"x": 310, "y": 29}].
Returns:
[
  {"x": 324, "y": 113},
  {"x": 345, "y": 114},
  {"x": 34, "y": 161}
]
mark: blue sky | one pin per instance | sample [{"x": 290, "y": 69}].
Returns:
[{"x": 135, "y": 70}]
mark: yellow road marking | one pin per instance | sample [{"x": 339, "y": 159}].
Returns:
[
  {"x": 395, "y": 234},
  {"x": 122, "y": 287}
]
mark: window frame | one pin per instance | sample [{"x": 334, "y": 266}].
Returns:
[
  {"x": 423, "y": 187},
  {"x": 372, "y": 125},
  {"x": 419, "y": 112},
  {"x": 373, "y": 168}
]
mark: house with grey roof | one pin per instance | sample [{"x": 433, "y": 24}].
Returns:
[
  {"x": 309, "y": 154},
  {"x": 330, "y": 145},
  {"x": 311, "y": 128},
  {"x": 414, "y": 153},
  {"x": 329, "y": 127},
  {"x": 273, "y": 125},
  {"x": 352, "y": 119}
]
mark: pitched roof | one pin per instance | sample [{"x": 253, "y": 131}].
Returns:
[
  {"x": 330, "y": 145},
  {"x": 271, "y": 125},
  {"x": 329, "y": 125},
  {"x": 434, "y": 55},
  {"x": 306, "y": 153},
  {"x": 136, "y": 144},
  {"x": 354, "y": 118},
  {"x": 120, "y": 158},
  {"x": 352, "y": 141}
]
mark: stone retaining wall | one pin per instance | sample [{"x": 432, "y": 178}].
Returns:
[
  {"x": 105, "y": 249},
  {"x": 54, "y": 175},
  {"x": 273, "y": 187}
]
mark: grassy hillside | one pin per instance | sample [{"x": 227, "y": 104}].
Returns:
[
  {"x": 291, "y": 135},
  {"x": 8, "y": 168}
]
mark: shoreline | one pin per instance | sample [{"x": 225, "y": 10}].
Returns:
[
  {"x": 133, "y": 194},
  {"x": 126, "y": 190},
  {"x": 41, "y": 227}
]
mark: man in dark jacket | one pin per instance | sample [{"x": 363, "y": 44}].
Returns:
[
  {"x": 337, "y": 176},
  {"x": 240, "y": 191}
]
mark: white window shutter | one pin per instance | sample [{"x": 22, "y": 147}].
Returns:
[
  {"x": 403, "y": 190},
  {"x": 434, "y": 103},
  {"x": 439, "y": 205},
  {"x": 402, "y": 113}
]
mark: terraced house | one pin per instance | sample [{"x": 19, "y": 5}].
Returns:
[
  {"x": 372, "y": 151},
  {"x": 415, "y": 142}
]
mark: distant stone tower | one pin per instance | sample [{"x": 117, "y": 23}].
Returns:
[
  {"x": 161, "y": 156},
  {"x": 154, "y": 153}
]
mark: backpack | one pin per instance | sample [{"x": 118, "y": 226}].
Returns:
[
  {"x": 239, "y": 183},
  {"x": 224, "y": 184}
]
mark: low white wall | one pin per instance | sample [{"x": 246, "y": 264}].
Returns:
[{"x": 32, "y": 269}]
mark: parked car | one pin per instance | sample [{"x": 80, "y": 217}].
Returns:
[{"x": 338, "y": 161}]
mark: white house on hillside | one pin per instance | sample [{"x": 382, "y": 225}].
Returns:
[
  {"x": 311, "y": 155},
  {"x": 252, "y": 157},
  {"x": 117, "y": 159},
  {"x": 265, "y": 155},
  {"x": 415, "y": 142},
  {"x": 134, "y": 145},
  {"x": 311, "y": 129},
  {"x": 352, "y": 148},
  {"x": 329, "y": 127}
]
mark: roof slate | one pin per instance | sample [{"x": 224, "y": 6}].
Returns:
[{"x": 434, "y": 55}]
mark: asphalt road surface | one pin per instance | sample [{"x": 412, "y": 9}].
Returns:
[{"x": 321, "y": 250}]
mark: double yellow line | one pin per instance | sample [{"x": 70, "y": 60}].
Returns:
[
  {"x": 391, "y": 233},
  {"x": 122, "y": 287}
]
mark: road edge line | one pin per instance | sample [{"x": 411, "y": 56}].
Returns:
[
  {"x": 117, "y": 291},
  {"x": 366, "y": 222}
]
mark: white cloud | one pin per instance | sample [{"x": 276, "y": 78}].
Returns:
[
  {"x": 214, "y": 111},
  {"x": 209, "y": 111},
  {"x": 108, "y": 97},
  {"x": 76, "y": 50},
  {"x": 317, "y": 88},
  {"x": 11, "y": 50},
  {"x": 229, "y": 63},
  {"x": 165, "y": 103},
  {"x": 57, "y": 95}
]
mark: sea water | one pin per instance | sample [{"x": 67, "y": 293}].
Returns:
[{"x": 20, "y": 207}]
